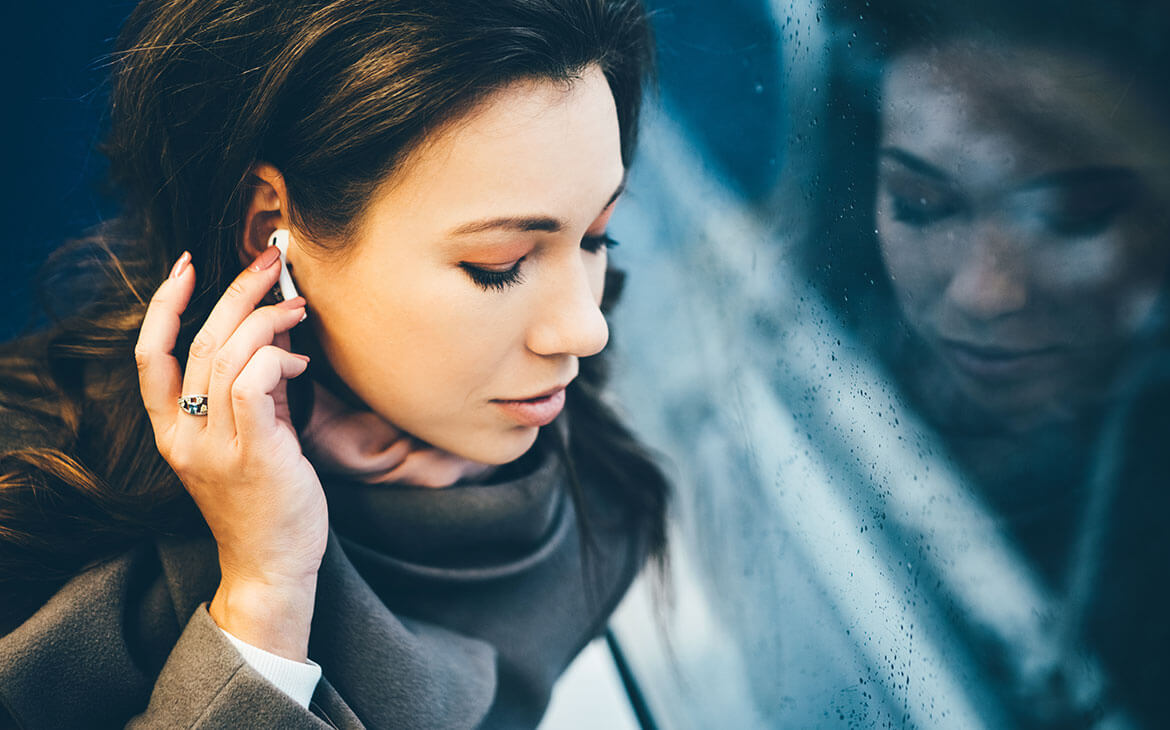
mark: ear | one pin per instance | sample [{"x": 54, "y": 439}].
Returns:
[{"x": 267, "y": 210}]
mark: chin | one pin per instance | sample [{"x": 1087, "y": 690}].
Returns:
[{"x": 497, "y": 448}]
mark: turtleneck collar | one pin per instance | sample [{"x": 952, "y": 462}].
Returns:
[{"x": 481, "y": 526}]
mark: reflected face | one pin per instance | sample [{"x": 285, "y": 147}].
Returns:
[
  {"x": 1020, "y": 217},
  {"x": 461, "y": 309}
]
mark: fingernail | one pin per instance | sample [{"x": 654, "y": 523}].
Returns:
[
  {"x": 266, "y": 259},
  {"x": 180, "y": 265},
  {"x": 299, "y": 356}
]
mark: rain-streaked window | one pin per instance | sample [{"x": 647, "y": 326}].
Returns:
[{"x": 896, "y": 316}]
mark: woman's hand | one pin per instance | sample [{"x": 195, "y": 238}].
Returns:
[{"x": 242, "y": 462}]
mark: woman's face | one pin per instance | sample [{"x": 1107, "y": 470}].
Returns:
[
  {"x": 476, "y": 278},
  {"x": 1020, "y": 215}
]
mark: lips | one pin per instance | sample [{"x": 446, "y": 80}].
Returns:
[
  {"x": 544, "y": 394},
  {"x": 539, "y": 410},
  {"x": 1001, "y": 363}
]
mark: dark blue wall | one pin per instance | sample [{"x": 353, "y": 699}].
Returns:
[{"x": 54, "y": 95}]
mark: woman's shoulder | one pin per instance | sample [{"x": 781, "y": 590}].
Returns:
[{"x": 131, "y": 638}]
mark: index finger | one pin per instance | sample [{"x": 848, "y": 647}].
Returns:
[
  {"x": 233, "y": 308},
  {"x": 159, "y": 374}
]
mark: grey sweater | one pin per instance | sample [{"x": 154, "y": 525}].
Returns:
[{"x": 452, "y": 608}]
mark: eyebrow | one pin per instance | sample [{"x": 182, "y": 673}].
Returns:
[
  {"x": 917, "y": 164},
  {"x": 523, "y": 224},
  {"x": 1077, "y": 176},
  {"x": 1084, "y": 176}
]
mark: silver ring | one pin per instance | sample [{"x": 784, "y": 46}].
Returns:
[{"x": 196, "y": 405}]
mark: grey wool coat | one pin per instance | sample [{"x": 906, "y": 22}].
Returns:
[{"x": 453, "y": 608}]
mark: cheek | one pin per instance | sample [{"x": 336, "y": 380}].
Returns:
[
  {"x": 595, "y": 266},
  {"x": 915, "y": 261},
  {"x": 1108, "y": 266},
  {"x": 449, "y": 328},
  {"x": 425, "y": 333},
  {"x": 1108, "y": 283},
  {"x": 1095, "y": 267}
]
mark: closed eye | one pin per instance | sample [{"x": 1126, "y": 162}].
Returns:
[
  {"x": 494, "y": 279},
  {"x": 919, "y": 193},
  {"x": 1081, "y": 202},
  {"x": 921, "y": 211},
  {"x": 491, "y": 279}
]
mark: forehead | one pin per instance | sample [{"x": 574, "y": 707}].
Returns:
[
  {"x": 532, "y": 145},
  {"x": 1012, "y": 109}
]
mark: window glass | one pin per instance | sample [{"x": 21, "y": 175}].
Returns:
[{"x": 896, "y": 318}]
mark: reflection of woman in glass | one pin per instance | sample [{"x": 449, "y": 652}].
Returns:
[
  {"x": 408, "y": 508},
  {"x": 1014, "y": 285},
  {"x": 1020, "y": 214}
]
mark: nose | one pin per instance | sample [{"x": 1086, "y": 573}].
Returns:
[
  {"x": 568, "y": 319},
  {"x": 991, "y": 277}
]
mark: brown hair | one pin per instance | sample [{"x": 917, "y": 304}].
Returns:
[{"x": 334, "y": 93}]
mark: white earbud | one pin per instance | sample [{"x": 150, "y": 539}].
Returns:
[{"x": 287, "y": 289}]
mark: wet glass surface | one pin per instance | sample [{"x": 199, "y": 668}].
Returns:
[{"x": 897, "y": 317}]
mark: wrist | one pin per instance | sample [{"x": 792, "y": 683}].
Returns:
[{"x": 275, "y": 617}]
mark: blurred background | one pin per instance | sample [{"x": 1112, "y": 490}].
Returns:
[
  {"x": 896, "y": 323},
  {"x": 55, "y": 89}
]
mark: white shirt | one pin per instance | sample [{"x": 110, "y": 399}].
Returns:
[{"x": 295, "y": 679}]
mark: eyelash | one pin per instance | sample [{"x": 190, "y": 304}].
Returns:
[
  {"x": 922, "y": 213},
  {"x": 593, "y": 244},
  {"x": 490, "y": 280}
]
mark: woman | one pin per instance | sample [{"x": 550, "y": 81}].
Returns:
[
  {"x": 1010, "y": 269},
  {"x": 396, "y": 529}
]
